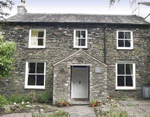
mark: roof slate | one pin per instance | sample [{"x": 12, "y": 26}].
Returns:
[{"x": 77, "y": 18}]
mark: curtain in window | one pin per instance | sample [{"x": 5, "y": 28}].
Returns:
[
  {"x": 127, "y": 35},
  {"x": 33, "y": 37}
]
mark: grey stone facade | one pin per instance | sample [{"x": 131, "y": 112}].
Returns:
[
  {"x": 98, "y": 81},
  {"x": 59, "y": 45}
]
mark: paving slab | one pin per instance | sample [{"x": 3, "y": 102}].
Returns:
[
  {"x": 132, "y": 110},
  {"x": 145, "y": 108},
  {"x": 80, "y": 111},
  {"x": 136, "y": 107}
]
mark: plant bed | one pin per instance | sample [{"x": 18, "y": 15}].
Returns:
[
  {"x": 2, "y": 111},
  {"x": 58, "y": 113},
  {"x": 14, "y": 109},
  {"x": 19, "y": 108}
]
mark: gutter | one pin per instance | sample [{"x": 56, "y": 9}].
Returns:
[{"x": 105, "y": 50}]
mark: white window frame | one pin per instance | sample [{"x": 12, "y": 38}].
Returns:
[
  {"x": 134, "y": 77},
  {"x": 127, "y": 48},
  {"x": 31, "y": 46},
  {"x": 26, "y": 77},
  {"x": 86, "y": 39}
]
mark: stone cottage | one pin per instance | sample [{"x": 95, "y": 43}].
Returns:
[{"x": 78, "y": 57}]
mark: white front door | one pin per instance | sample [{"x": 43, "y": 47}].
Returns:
[{"x": 79, "y": 84}]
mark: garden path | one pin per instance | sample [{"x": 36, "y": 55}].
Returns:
[{"x": 80, "y": 111}]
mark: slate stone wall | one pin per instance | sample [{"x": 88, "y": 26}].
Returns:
[
  {"x": 59, "y": 45},
  {"x": 138, "y": 55},
  {"x": 62, "y": 80}
]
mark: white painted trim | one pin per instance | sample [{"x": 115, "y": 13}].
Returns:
[
  {"x": 134, "y": 77},
  {"x": 124, "y": 48},
  {"x": 26, "y": 77},
  {"x": 116, "y": 75},
  {"x": 35, "y": 87},
  {"x": 125, "y": 88},
  {"x": 86, "y": 39},
  {"x": 75, "y": 54},
  {"x": 30, "y": 46}
]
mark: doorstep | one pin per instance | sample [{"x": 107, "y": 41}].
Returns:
[{"x": 77, "y": 102}]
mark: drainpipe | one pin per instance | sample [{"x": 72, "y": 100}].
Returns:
[{"x": 105, "y": 51}]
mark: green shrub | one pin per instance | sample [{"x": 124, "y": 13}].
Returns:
[
  {"x": 23, "y": 107},
  {"x": 32, "y": 95},
  {"x": 60, "y": 100},
  {"x": 19, "y": 98},
  {"x": 43, "y": 97},
  {"x": 92, "y": 101},
  {"x": 115, "y": 113},
  {"x": 118, "y": 114},
  {"x": 3, "y": 100}
]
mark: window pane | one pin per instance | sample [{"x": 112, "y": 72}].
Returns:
[
  {"x": 31, "y": 80},
  {"x": 82, "y": 42},
  {"x": 129, "y": 81},
  {"x": 127, "y": 43},
  {"x": 40, "y": 67},
  {"x": 120, "y": 43},
  {"x": 129, "y": 69},
  {"x": 40, "y": 80},
  {"x": 121, "y": 69},
  {"x": 121, "y": 35},
  {"x": 120, "y": 80},
  {"x": 41, "y": 34},
  {"x": 31, "y": 67},
  {"x": 127, "y": 35},
  {"x": 40, "y": 42},
  {"x": 78, "y": 34},
  {"x": 82, "y": 34},
  {"x": 33, "y": 33},
  {"x": 33, "y": 41}
]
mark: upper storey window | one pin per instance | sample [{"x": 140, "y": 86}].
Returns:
[
  {"x": 80, "y": 38},
  {"x": 37, "y": 38},
  {"x": 124, "y": 40}
]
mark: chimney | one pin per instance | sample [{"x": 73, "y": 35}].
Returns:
[{"x": 21, "y": 9}]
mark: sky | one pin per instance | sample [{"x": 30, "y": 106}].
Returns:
[{"x": 81, "y": 7}]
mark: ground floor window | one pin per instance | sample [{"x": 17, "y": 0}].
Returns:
[
  {"x": 125, "y": 75},
  {"x": 35, "y": 75}
]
